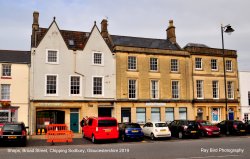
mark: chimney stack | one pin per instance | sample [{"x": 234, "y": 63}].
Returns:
[
  {"x": 35, "y": 25},
  {"x": 171, "y": 32},
  {"x": 104, "y": 28}
]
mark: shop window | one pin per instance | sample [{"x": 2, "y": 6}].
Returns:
[
  {"x": 215, "y": 114},
  {"x": 155, "y": 115},
  {"x": 183, "y": 113},
  {"x": 169, "y": 114},
  {"x": 141, "y": 115},
  {"x": 199, "y": 114}
]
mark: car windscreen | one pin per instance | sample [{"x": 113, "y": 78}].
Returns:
[
  {"x": 107, "y": 123},
  {"x": 206, "y": 123},
  {"x": 12, "y": 127},
  {"x": 133, "y": 126},
  {"x": 191, "y": 123},
  {"x": 160, "y": 125}
]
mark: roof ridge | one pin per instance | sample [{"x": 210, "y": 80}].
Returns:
[{"x": 139, "y": 37}]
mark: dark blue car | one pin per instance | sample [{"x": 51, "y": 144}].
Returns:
[{"x": 130, "y": 131}]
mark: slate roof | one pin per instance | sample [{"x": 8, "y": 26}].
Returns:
[
  {"x": 14, "y": 56},
  {"x": 79, "y": 38},
  {"x": 144, "y": 42}
]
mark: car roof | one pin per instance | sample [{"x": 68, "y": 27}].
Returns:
[
  {"x": 156, "y": 122},
  {"x": 103, "y": 118}
]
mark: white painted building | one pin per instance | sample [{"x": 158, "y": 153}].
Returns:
[
  {"x": 72, "y": 76},
  {"x": 244, "y": 78}
]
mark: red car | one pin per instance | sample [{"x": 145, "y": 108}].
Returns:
[
  {"x": 101, "y": 128},
  {"x": 208, "y": 129}
]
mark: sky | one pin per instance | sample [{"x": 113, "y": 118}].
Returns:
[{"x": 196, "y": 21}]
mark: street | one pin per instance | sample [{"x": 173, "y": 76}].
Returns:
[{"x": 235, "y": 147}]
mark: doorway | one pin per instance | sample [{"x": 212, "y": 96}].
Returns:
[
  {"x": 126, "y": 115},
  {"x": 74, "y": 120}
]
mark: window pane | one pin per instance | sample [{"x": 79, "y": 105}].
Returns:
[
  {"x": 75, "y": 85},
  {"x": 132, "y": 88},
  {"x": 132, "y": 63},
  {"x": 198, "y": 63},
  {"x": 52, "y": 56},
  {"x": 154, "y": 89},
  {"x": 183, "y": 113},
  {"x": 199, "y": 87},
  {"x": 6, "y": 70},
  {"x": 230, "y": 90},
  {"x": 215, "y": 89},
  {"x": 140, "y": 115},
  {"x": 97, "y": 58},
  {"x": 153, "y": 64},
  {"x": 175, "y": 89},
  {"x": 97, "y": 84},
  {"x": 155, "y": 114},
  {"x": 229, "y": 65},
  {"x": 174, "y": 65},
  {"x": 51, "y": 84},
  {"x": 214, "y": 64},
  {"x": 5, "y": 92}
]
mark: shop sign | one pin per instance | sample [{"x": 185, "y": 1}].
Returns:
[
  {"x": 50, "y": 104},
  {"x": 155, "y": 104}
]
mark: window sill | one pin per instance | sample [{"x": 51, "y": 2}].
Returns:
[
  {"x": 132, "y": 70},
  {"x": 6, "y": 77},
  {"x": 175, "y": 72},
  {"x": 198, "y": 69},
  {"x": 152, "y": 71}
]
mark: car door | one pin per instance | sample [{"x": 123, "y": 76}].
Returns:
[
  {"x": 144, "y": 129},
  {"x": 150, "y": 128}
]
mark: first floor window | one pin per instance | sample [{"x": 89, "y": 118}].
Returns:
[
  {"x": 175, "y": 89},
  {"x": 154, "y": 89},
  {"x": 74, "y": 85},
  {"x": 215, "y": 114},
  {"x": 199, "y": 88},
  {"x": 51, "y": 84},
  {"x": 141, "y": 115},
  {"x": 97, "y": 58},
  {"x": 183, "y": 113},
  {"x": 6, "y": 70},
  {"x": 153, "y": 64},
  {"x": 198, "y": 63},
  {"x": 132, "y": 89},
  {"x": 5, "y": 92},
  {"x": 97, "y": 85},
  {"x": 155, "y": 115},
  {"x": 230, "y": 90},
  {"x": 215, "y": 85},
  {"x": 169, "y": 114}
]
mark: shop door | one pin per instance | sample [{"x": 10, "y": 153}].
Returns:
[
  {"x": 104, "y": 112},
  {"x": 74, "y": 122},
  {"x": 126, "y": 115},
  {"x": 231, "y": 115}
]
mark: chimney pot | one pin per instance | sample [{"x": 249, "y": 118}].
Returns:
[
  {"x": 35, "y": 24},
  {"x": 104, "y": 28}
]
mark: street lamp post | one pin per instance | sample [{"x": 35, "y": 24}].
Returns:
[{"x": 227, "y": 29}]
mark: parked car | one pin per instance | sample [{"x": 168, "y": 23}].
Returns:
[
  {"x": 156, "y": 130},
  {"x": 184, "y": 128},
  {"x": 101, "y": 128},
  {"x": 247, "y": 123},
  {"x": 130, "y": 131},
  {"x": 230, "y": 127},
  {"x": 208, "y": 129},
  {"x": 14, "y": 132}
]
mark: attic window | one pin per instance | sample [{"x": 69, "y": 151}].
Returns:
[{"x": 71, "y": 42}]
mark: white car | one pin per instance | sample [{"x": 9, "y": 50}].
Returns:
[{"x": 156, "y": 130}]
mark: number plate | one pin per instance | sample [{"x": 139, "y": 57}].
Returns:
[
  {"x": 215, "y": 132},
  {"x": 134, "y": 131},
  {"x": 242, "y": 130},
  {"x": 12, "y": 137},
  {"x": 193, "y": 132},
  {"x": 163, "y": 129},
  {"x": 107, "y": 130}
]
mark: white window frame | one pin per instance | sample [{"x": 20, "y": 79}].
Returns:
[
  {"x": 232, "y": 90},
  {"x": 57, "y": 84},
  {"x": 135, "y": 88},
  {"x": 229, "y": 65},
  {"x": 155, "y": 90},
  {"x": 174, "y": 95},
  {"x": 102, "y": 58},
  {"x": 217, "y": 89},
  {"x": 7, "y": 94},
  {"x": 80, "y": 85},
  {"x": 135, "y": 63},
  {"x": 172, "y": 66},
  {"x": 201, "y": 91},
  {"x": 3, "y": 68},
  {"x": 157, "y": 66},
  {"x": 201, "y": 66},
  {"x": 97, "y": 95},
  {"x": 57, "y": 56},
  {"x": 214, "y": 62}
]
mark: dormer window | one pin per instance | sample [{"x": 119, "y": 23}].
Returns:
[
  {"x": 71, "y": 42},
  {"x": 52, "y": 57}
]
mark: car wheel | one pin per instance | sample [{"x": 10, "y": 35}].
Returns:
[
  {"x": 93, "y": 139},
  {"x": 152, "y": 136},
  {"x": 180, "y": 135},
  {"x": 123, "y": 138},
  {"x": 83, "y": 135},
  {"x": 227, "y": 133}
]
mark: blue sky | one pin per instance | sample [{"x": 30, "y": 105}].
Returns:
[{"x": 196, "y": 21}]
